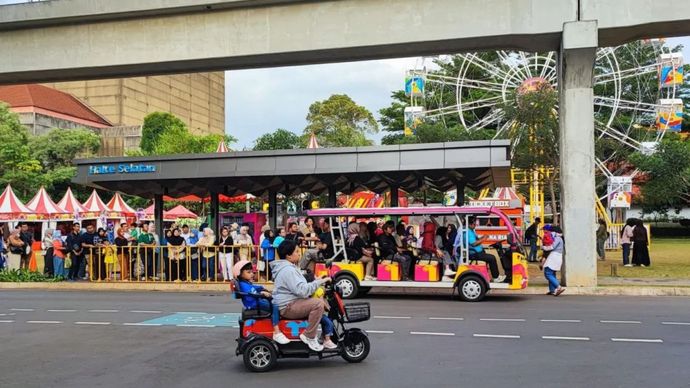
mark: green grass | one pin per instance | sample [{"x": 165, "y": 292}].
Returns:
[{"x": 670, "y": 259}]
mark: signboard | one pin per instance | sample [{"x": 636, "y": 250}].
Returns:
[
  {"x": 489, "y": 203},
  {"x": 122, "y": 168},
  {"x": 620, "y": 192}
]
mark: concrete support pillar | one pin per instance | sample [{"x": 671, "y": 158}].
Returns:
[
  {"x": 158, "y": 215},
  {"x": 576, "y": 114},
  {"x": 394, "y": 196},
  {"x": 215, "y": 209},
  {"x": 332, "y": 197},
  {"x": 460, "y": 187},
  {"x": 273, "y": 209}
]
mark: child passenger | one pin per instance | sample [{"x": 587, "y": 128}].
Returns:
[{"x": 244, "y": 273}]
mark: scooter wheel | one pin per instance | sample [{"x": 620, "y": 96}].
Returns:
[
  {"x": 356, "y": 348},
  {"x": 260, "y": 356}
]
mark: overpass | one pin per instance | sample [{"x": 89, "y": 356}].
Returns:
[{"x": 63, "y": 40}]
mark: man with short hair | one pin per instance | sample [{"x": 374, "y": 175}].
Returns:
[
  {"x": 532, "y": 235},
  {"x": 27, "y": 238},
  {"x": 73, "y": 246},
  {"x": 294, "y": 234},
  {"x": 90, "y": 242},
  {"x": 476, "y": 251},
  {"x": 391, "y": 251}
]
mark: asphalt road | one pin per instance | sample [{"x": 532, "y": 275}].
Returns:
[{"x": 104, "y": 339}]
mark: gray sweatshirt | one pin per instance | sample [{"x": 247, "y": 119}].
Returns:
[{"x": 289, "y": 283}]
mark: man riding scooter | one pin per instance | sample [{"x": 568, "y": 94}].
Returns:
[{"x": 292, "y": 293}]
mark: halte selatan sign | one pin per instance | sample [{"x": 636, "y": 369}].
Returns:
[{"x": 122, "y": 168}]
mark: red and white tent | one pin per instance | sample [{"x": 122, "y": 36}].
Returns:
[
  {"x": 222, "y": 147},
  {"x": 94, "y": 206},
  {"x": 504, "y": 193},
  {"x": 118, "y": 205},
  {"x": 70, "y": 204},
  {"x": 178, "y": 211},
  {"x": 11, "y": 208},
  {"x": 44, "y": 207},
  {"x": 312, "y": 141}
]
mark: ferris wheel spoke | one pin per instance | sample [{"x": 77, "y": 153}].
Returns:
[
  {"x": 624, "y": 74},
  {"x": 617, "y": 135},
  {"x": 494, "y": 115},
  {"x": 547, "y": 65},
  {"x": 516, "y": 67},
  {"x": 504, "y": 128},
  {"x": 484, "y": 65},
  {"x": 481, "y": 103},
  {"x": 603, "y": 168},
  {"x": 526, "y": 61}
]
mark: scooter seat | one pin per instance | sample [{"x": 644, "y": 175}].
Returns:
[{"x": 255, "y": 314}]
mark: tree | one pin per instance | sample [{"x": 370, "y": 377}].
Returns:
[
  {"x": 155, "y": 125},
  {"x": 280, "y": 139},
  {"x": 667, "y": 178},
  {"x": 340, "y": 122}
]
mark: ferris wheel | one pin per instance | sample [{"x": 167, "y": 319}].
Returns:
[{"x": 635, "y": 92}]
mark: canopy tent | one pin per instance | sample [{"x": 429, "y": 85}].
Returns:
[
  {"x": 178, "y": 211},
  {"x": 222, "y": 147},
  {"x": 94, "y": 206},
  {"x": 70, "y": 204},
  {"x": 11, "y": 208},
  {"x": 45, "y": 209},
  {"x": 313, "y": 143},
  {"x": 118, "y": 205}
]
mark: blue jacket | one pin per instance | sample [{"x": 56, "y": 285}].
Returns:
[
  {"x": 269, "y": 250},
  {"x": 246, "y": 287}
]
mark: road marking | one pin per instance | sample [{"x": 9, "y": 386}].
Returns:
[
  {"x": 446, "y": 319},
  {"x": 390, "y": 317},
  {"x": 380, "y": 331},
  {"x": 553, "y": 337},
  {"x": 61, "y": 311},
  {"x": 6, "y": 321},
  {"x": 655, "y": 341},
  {"x": 53, "y": 322},
  {"x": 21, "y": 309},
  {"x": 495, "y": 336},
  {"x": 196, "y": 325},
  {"x": 431, "y": 333},
  {"x": 104, "y": 311},
  {"x": 92, "y": 323},
  {"x": 676, "y": 323},
  {"x": 146, "y": 311},
  {"x": 189, "y": 312},
  {"x": 503, "y": 319},
  {"x": 561, "y": 320},
  {"x": 141, "y": 324},
  {"x": 622, "y": 322}
]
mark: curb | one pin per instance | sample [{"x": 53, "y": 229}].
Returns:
[{"x": 639, "y": 290}]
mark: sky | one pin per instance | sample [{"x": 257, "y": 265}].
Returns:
[{"x": 260, "y": 101}]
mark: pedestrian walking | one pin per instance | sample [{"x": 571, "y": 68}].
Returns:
[
  {"x": 626, "y": 240},
  {"x": 553, "y": 263},
  {"x": 602, "y": 236},
  {"x": 532, "y": 235},
  {"x": 640, "y": 250}
]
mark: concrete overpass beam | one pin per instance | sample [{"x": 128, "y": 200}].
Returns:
[{"x": 576, "y": 112}]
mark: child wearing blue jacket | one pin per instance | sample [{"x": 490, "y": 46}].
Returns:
[{"x": 244, "y": 273}]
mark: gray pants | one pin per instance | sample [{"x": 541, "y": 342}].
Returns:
[{"x": 600, "y": 249}]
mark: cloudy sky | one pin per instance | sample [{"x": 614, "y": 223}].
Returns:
[{"x": 261, "y": 100}]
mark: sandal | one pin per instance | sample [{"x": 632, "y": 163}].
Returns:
[{"x": 559, "y": 291}]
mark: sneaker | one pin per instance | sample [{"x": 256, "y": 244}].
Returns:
[
  {"x": 559, "y": 291},
  {"x": 449, "y": 272},
  {"x": 328, "y": 344},
  {"x": 628, "y": 265},
  {"x": 311, "y": 342},
  {"x": 500, "y": 279},
  {"x": 643, "y": 266},
  {"x": 281, "y": 338},
  {"x": 369, "y": 278}
]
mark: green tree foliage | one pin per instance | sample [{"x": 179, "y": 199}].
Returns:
[
  {"x": 31, "y": 161},
  {"x": 280, "y": 139},
  {"x": 340, "y": 122},
  {"x": 668, "y": 176},
  {"x": 165, "y": 134}
]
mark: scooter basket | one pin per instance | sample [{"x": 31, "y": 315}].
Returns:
[{"x": 357, "y": 312}]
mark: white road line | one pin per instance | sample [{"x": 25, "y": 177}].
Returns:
[
  {"x": 446, "y": 319},
  {"x": 21, "y": 309},
  {"x": 104, "y": 311},
  {"x": 61, "y": 311},
  {"x": 553, "y": 337},
  {"x": 146, "y": 311},
  {"x": 53, "y": 322},
  {"x": 431, "y": 333},
  {"x": 622, "y": 322},
  {"x": 189, "y": 312},
  {"x": 380, "y": 331},
  {"x": 92, "y": 323},
  {"x": 141, "y": 324},
  {"x": 196, "y": 325},
  {"x": 655, "y": 341},
  {"x": 561, "y": 320},
  {"x": 503, "y": 319},
  {"x": 6, "y": 321},
  {"x": 390, "y": 317},
  {"x": 676, "y": 323},
  {"x": 495, "y": 336}
]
